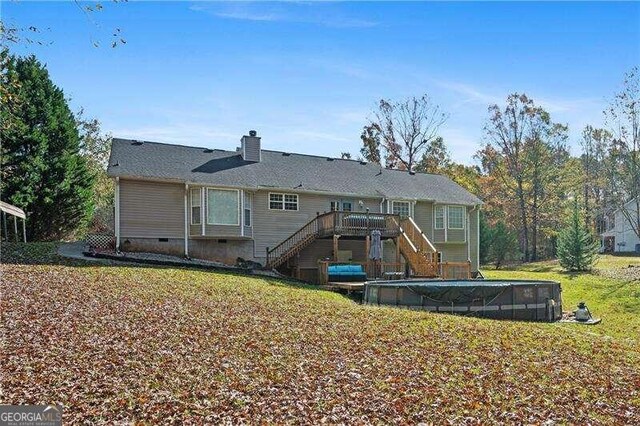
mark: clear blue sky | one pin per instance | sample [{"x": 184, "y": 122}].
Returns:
[{"x": 307, "y": 75}]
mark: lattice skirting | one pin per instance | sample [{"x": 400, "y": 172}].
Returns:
[{"x": 101, "y": 241}]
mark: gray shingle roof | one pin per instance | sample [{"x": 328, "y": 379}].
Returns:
[{"x": 278, "y": 170}]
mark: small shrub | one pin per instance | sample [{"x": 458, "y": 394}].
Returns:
[{"x": 577, "y": 249}]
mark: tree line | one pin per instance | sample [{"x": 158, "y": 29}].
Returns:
[
  {"x": 52, "y": 161},
  {"x": 525, "y": 172}
]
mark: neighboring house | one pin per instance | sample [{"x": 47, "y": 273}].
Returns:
[
  {"x": 286, "y": 210},
  {"x": 618, "y": 234}
]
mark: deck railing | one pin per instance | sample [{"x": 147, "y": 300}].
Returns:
[
  {"x": 333, "y": 223},
  {"x": 455, "y": 270},
  {"x": 358, "y": 224},
  {"x": 419, "y": 252}
]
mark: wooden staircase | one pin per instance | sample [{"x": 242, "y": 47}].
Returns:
[
  {"x": 294, "y": 244},
  {"x": 349, "y": 224},
  {"x": 418, "y": 251}
]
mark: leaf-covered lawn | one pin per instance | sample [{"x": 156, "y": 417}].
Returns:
[
  {"x": 608, "y": 292},
  {"x": 133, "y": 344}
]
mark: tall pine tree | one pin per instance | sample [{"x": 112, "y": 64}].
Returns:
[
  {"x": 577, "y": 249},
  {"x": 42, "y": 169}
]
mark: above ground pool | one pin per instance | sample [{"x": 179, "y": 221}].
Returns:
[{"x": 523, "y": 300}]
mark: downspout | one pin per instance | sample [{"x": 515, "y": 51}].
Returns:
[
  {"x": 241, "y": 195},
  {"x": 381, "y": 206},
  {"x": 468, "y": 233},
  {"x": 203, "y": 213},
  {"x": 186, "y": 221},
  {"x": 445, "y": 220},
  {"x": 117, "y": 213},
  {"x": 478, "y": 239}
]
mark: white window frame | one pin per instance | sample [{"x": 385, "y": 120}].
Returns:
[
  {"x": 237, "y": 191},
  {"x": 247, "y": 205},
  {"x": 199, "y": 192},
  {"x": 435, "y": 217},
  {"x": 408, "y": 203},
  {"x": 284, "y": 196},
  {"x": 339, "y": 205},
  {"x": 464, "y": 212}
]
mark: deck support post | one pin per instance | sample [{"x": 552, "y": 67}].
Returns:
[
  {"x": 367, "y": 249},
  {"x": 24, "y": 230},
  {"x": 396, "y": 241},
  {"x": 15, "y": 227},
  {"x": 367, "y": 246},
  {"x": 335, "y": 247}
]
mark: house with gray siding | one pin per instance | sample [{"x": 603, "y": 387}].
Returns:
[{"x": 288, "y": 211}]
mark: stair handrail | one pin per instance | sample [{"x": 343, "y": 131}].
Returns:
[
  {"x": 310, "y": 228},
  {"x": 408, "y": 240},
  {"x": 415, "y": 229},
  {"x": 424, "y": 237}
]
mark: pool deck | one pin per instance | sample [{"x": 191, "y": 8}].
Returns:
[{"x": 348, "y": 286}]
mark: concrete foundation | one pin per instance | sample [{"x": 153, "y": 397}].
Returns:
[{"x": 225, "y": 251}]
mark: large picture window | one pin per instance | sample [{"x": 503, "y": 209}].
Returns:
[
  {"x": 401, "y": 208},
  {"x": 196, "y": 207},
  {"x": 439, "y": 217},
  {"x": 283, "y": 201},
  {"x": 456, "y": 217},
  {"x": 222, "y": 207}
]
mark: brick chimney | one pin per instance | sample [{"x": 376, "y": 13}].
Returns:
[{"x": 250, "y": 147}]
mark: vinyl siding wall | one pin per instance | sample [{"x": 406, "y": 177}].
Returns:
[
  {"x": 423, "y": 217},
  {"x": 156, "y": 210},
  {"x": 151, "y": 209}
]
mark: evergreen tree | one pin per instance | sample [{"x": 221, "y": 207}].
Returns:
[
  {"x": 42, "y": 169},
  {"x": 485, "y": 239},
  {"x": 577, "y": 249},
  {"x": 504, "y": 244}
]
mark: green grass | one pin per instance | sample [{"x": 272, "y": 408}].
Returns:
[
  {"x": 616, "y": 301},
  {"x": 123, "y": 344}
]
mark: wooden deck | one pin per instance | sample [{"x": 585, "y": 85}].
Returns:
[
  {"x": 334, "y": 224},
  {"x": 350, "y": 287}
]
